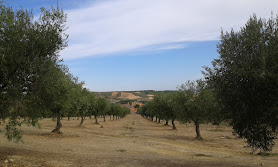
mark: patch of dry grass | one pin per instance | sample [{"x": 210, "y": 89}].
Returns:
[{"x": 131, "y": 141}]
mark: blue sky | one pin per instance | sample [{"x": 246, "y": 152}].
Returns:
[{"x": 117, "y": 45}]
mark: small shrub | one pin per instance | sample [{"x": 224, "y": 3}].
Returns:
[{"x": 121, "y": 150}]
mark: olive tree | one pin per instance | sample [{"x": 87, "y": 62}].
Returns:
[
  {"x": 29, "y": 49},
  {"x": 56, "y": 94},
  {"x": 245, "y": 80},
  {"x": 195, "y": 103},
  {"x": 101, "y": 107}
]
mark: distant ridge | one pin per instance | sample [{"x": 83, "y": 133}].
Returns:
[{"x": 141, "y": 96}]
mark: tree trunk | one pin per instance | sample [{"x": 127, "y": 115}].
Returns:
[
  {"x": 96, "y": 119},
  {"x": 90, "y": 116},
  {"x": 173, "y": 124},
  {"x": 197, "y": 126},
  {"x": 158, "y": 120},
  {"x": 82, "y": 120},
  {"x": 58, "y": 125},
  {"x": 104, "y": 118},
  {"x": 215, "y": 122},
  {"x": 166, "y": 123},
  {"x": 155, "y": 118}
]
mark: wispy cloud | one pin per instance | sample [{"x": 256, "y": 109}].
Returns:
[{"x": 110, "y": 26}]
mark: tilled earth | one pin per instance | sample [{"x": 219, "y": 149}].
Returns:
[{"x": 131, "y": 141}]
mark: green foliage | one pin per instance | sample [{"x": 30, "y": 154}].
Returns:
[
  {"x": 33, "y": 82},
  {"x": 101, "y": 107},
  {"x": 29, "y": 55},
  {"x": 12, "y": 133},
  {"x": 161, "y": 107},
  {"x": 80, "y": 100},
  {"x": 196, "y": 103},
  {"x": 245, "y": 79},
  {"x": 124, "y": 111},
  {"x": 136, "y": 106},
  {"x": 193, "y": 102}
]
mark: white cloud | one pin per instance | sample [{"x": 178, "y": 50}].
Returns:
[{"x": 110, "y": 26}]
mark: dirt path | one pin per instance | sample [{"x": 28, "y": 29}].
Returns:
[{"x": 131, "y": 141}]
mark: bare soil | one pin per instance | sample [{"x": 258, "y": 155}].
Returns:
[
  {"x": 131, "y": 141},
  {"x": 129, "y": 96},
  {"x": 114, "y": 94}
]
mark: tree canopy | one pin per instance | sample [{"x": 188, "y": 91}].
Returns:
[{"x": 245, "y": 80}]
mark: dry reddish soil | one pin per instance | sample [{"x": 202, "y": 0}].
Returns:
[
  {"x": 131, "y": 141},
  {"x": 128, "y": 96},
  {"x": 114, "y": 94}
]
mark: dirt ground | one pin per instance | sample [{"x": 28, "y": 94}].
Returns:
[
  {"x": 114, "y": 94},
  {"x": 131, "y": 141},
  {"x": 128, "y": 96}
]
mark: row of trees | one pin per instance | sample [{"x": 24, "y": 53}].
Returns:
[
  {"x": 33, "y": 82},
  {"x": 241, "y": 87},
  {"x": 193, "y": 102}
]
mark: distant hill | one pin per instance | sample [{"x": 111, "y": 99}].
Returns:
[{"x": 135, "y": 96}]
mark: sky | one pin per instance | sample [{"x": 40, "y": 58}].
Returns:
[{"x": 128, "y": 45}]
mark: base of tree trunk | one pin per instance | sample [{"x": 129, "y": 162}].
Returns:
[
  {"x": 198, "y": 138},
  {"x": 57, "y": 131}
]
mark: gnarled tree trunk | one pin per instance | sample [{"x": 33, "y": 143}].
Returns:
[
  {"x": 58, "y": 125},
  {"x": 82, "y": 120},
  {"x": 166, "y": 123},
  {"x": 197, "y": 128},
  {"x": 96, "y": 119},
  {"x": 215, "y": 122},
  {"x": 173, "y": 124}
]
